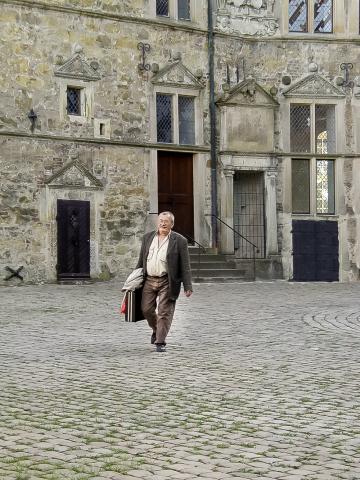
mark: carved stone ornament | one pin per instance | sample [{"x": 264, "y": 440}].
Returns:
[
  {"x": 177, "y": 75},
  {"x": 77, "y": 67},
  {"x": 314, "y": 86},
  {"x": 247, "y": 17},
  {"x": 74, "y": 175},
  {"x": 248, "y": 92}
]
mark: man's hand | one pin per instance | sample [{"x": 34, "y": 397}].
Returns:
[{"x": 188, "y": 293}]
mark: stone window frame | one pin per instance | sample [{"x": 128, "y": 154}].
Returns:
[
  {"x": 313, "y": 156},
  {"x": 175, "y": 92},
  {"x": 338, "y": 20},
  {"x": 86, "y": 100},
  {"x": 173, "y": 11}
]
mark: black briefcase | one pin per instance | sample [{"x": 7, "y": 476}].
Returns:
[{"x": 133, "y": 308}]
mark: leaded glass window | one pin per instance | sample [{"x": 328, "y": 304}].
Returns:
[
  {"x": 300, "y": 181},
  {"x": 184, "y": 9},
  {"x": 325, "y": 128},
  {"x": 74, "y": 101},
  {"x": 186, "y": 120},
  {"x": 298, "y": 16},
  {"x": 164, "y": 118},
  {"x": 300, "y": 131},
  {"x": 162, "y": 8},
  {"x": 325, "y": 186},
  {"x": 323, "y": 16}
]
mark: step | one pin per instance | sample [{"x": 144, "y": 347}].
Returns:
[
  {"x": 209, "y": 265},
  {"x": 205, "y": 257},
  {"x": 222, "y": 279},
  {"x": 221, "y": 272}
]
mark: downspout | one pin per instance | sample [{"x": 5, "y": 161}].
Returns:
[{"x": 213, "y": 159}]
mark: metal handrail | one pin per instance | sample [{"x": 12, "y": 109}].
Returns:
[{"x": 255, "y": 248}]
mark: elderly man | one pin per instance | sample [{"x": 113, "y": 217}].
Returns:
[{"x": 164, "y": 256}]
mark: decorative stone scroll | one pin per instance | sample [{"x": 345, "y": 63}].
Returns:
[{"x": 247, "y": 17}]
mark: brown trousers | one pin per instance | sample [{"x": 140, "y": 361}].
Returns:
[{"x": 160, "y": 322}]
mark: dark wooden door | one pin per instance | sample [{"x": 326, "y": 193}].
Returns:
[
  {"x": 73, "y": 239},
  {"x": 315, "y": 251},
  {"x": 175, "y": 187}
]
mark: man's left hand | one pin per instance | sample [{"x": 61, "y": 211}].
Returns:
[{"x": 188, "y": 293}]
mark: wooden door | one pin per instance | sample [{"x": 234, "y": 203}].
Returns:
[
  {"x": 175, "y": 189},
  {"x": 315, "y": 251},
  {"x": 73, "y": 239}
]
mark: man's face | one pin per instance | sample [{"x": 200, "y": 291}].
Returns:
[{"x": 164, "y": 224}]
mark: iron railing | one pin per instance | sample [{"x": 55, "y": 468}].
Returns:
[{"x": 254, "y": 247}]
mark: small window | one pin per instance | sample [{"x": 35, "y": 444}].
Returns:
[
  {"x": 325, "y": 128},
  {"x": 186, "y": 120},
  {"x": 325, "y": 187},
  {"x": 300, "y": 133},
  {"x": 300, "y": 180},
  {"x": 162, "y": 8},
  {"x": 323, "y": 16},
  {"x": 298, "y": 16},
  {"x": 184, "y": 9},
  {"x": 164, "y": 118},
  {"x": 74, "y": 101},
  {"x": 315, "y": 16}
]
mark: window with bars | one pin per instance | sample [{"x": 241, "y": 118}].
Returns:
[
  {"x": 314, "y": 16},
  {"x": 186, "y": 120},
  {"x": 184, "y": 9},
  {"x": 322, "y": 189},
  {"x": 162, "y": 8},
  {"x": 312, "y": 128},
  {"x": 164, "y": 118},
  {"x": 175, "y": 117},
  {"x": 73, "y": 101}
]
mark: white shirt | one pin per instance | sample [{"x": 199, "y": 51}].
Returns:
[{"x": 156, "y": 264}]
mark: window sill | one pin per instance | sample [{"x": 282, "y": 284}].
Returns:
[
  {"x": 77, "y": 119},
  {"x": 314, "y": 216}
]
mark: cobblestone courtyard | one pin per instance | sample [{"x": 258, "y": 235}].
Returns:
[{"x": 259, "y": 381}]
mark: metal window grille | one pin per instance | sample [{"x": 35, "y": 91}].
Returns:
[
  {"x": 325, "y": 128},
  {"x": 300, "y": 185},
  {"x": 186, "y": 120},
  {"x": 325, "y": 186},
  {"x": 162, "y": 8},
  {"x": 300, "y": 133},
  {"x": 249, "y": 214},
  {"x": 323, "y": 16},
  {"x": 74, "y": 101},
  {"x": 298, "y": 16},
  {"x": 184, "y": 9},
  {"x": 164, "y": 118}
]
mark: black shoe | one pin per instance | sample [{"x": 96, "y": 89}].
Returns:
[
  {"x": 160, "y": 348},
  {"x": 153, "y": 338}
]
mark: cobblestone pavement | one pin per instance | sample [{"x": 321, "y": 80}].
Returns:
[{"x": 260, "y": 381}]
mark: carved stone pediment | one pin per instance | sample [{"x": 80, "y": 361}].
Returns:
[
  {"x": 77, "y": 67},
  {"x": 314, "y": 86},
  {"x": 248, "y": 93},
  {"x": 177, "y": 75},
  {"x": 247, "y": 17},
  {"x": 74, "y": 175}
]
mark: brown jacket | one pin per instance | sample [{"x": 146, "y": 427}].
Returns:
[{"x": 178, "y": 261}]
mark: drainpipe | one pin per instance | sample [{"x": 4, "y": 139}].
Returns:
[{"x": 211, "y": 52}]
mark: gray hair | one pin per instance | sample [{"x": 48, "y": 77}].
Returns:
[{"x": 170, "y": 215}]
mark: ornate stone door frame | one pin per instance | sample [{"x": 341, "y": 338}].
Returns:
[{"x": 232, "y": 164}]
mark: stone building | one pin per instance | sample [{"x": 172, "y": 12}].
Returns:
[{"x": 244, "y": 109}]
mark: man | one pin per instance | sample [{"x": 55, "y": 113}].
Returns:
[{"x": 164, "y": 256}]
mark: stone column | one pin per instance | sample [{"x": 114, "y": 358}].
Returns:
[
  {"x": 270, "y": 213},
  {"x": 227, "y": 211}
]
